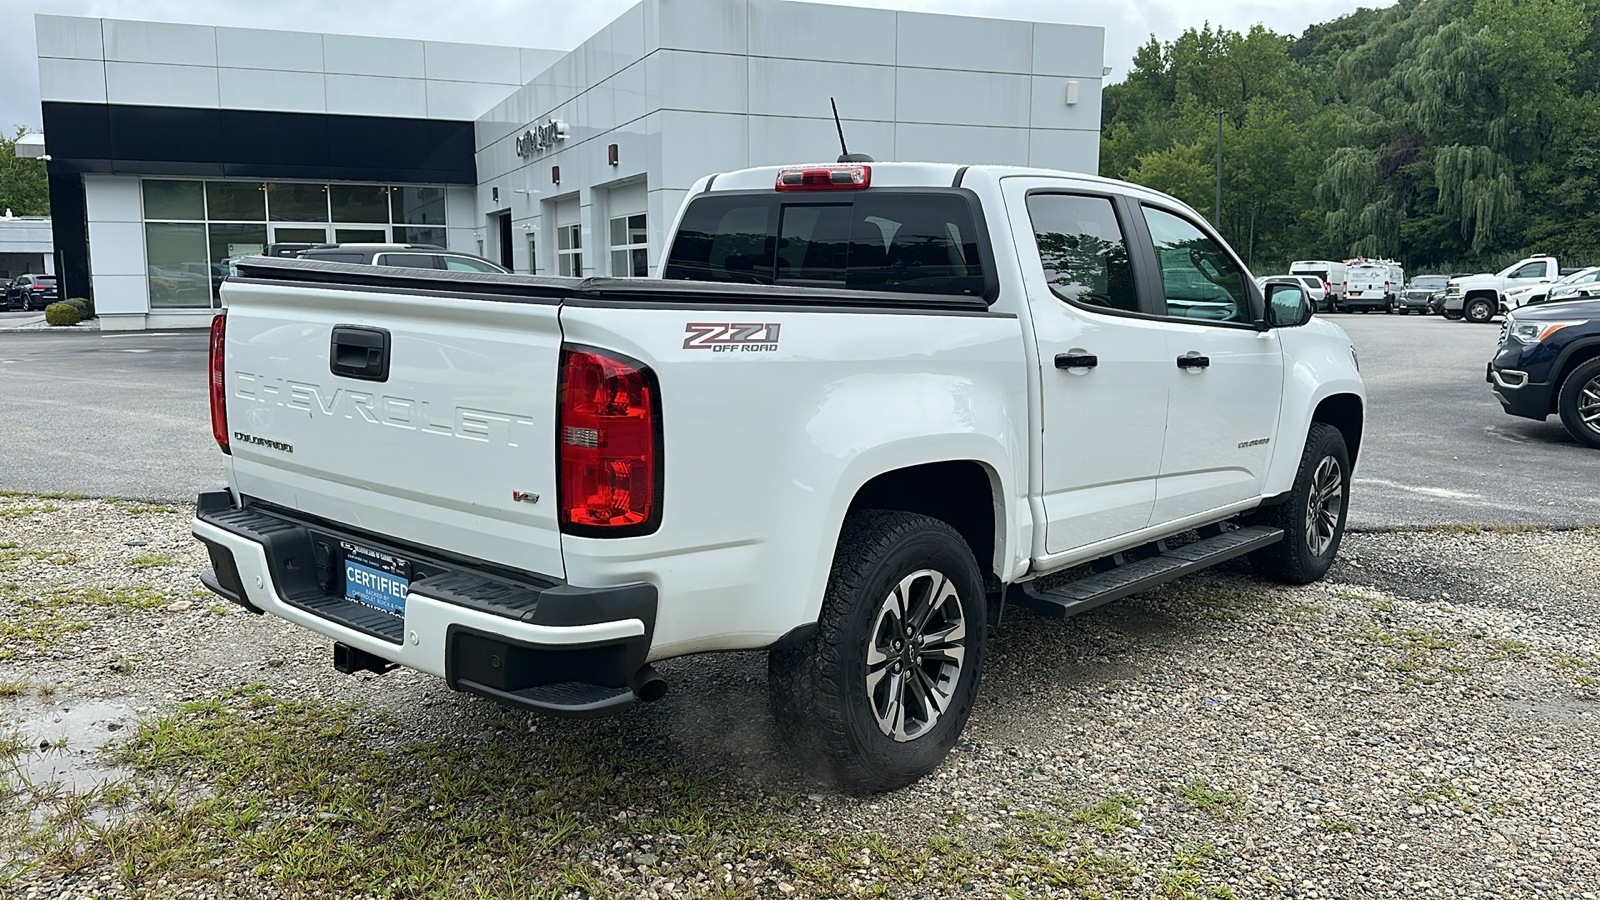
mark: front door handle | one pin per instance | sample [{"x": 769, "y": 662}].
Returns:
[
  {"x": 1076, "y": 360},
  {"x": 1192, "y": 360}
]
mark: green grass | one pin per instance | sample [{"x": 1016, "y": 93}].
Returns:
[
  {"x": 338, "y": 800},
  {"x": 1217, "y": 802},
  {"x": 130, "y": 598},
  {"x": 21, "y": 512},
  {"x": 12, "y": 688},
  {"x": 47, "y": 495},
  {"x": 151, "y": 561},
  {"x": 1110, "y": 815},
  {"x": 36, "y": 630}
]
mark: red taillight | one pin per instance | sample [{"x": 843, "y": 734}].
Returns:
[
  {"x": 825, "y": 178},
  {"x": 219, "y": 396},
  {"x": 39, "y": 287},
  {"x": 608, "y": 440}
]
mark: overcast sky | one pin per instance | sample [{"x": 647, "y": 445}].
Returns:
[{"x": 563, "y": 24}]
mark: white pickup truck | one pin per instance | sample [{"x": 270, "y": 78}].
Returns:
[
  {"x": 1478, "y": 298},
  {"x": 866, "y": 407}
]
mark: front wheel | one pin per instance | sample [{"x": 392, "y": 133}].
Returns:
[
  {"x": 1479, "y": 311},
  {"x": 1579, "y": 403},
  {"x": 884, "y": 687},
  {"x": 1313, "y": 516}
]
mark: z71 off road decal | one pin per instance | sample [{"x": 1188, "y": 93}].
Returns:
[{"x": 722, "y": 337}]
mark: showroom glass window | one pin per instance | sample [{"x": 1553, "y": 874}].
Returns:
[
  {"x": 630, "y": 256},
  {"x": 569, "y": 250},
  {"x": 194, "y": 230}
]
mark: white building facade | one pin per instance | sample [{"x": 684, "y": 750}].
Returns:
[{"x": 175, "y": 148}]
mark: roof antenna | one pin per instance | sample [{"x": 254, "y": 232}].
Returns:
[{"x": 846, "y": 156}]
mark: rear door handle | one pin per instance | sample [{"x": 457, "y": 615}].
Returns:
[
  {"x": 1076, "y": 360},
  {"x": 359, "y": 352},
  {"x": 1194, "y": 360}
]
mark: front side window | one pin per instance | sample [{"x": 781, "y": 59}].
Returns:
[
  {"x": 569, "y": 251},
  {"x": 630, "y": 255},
  {"x": 1083, "y": 252},
  {"x": 1199, "y": 278},
  {"x": 1531, "y": 270},
  {"x": 923, "y": 242}
]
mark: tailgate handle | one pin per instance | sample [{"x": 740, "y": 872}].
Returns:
[{"x": 359, "y": 352}]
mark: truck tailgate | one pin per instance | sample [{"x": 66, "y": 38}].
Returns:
[{"x": 452, "y": 448}]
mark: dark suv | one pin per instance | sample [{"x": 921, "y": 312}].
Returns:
[
  {"x": 1549, "y": 362},
  {"x": 31, "y": 292},
  {"x": 413, "y": 256}
]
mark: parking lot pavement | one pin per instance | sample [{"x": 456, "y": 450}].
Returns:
[
  {"x": 106, "y": 414},
  {"x": 124, "y": 414},
  {"x": 1439, "y": 450}
]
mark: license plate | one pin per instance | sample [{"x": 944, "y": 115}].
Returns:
[{"x": 376, "y": 579}]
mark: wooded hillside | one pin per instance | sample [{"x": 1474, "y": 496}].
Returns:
[{"x": 1447, "y": 134}]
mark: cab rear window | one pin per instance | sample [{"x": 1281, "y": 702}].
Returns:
[{"x": 924, "y": 242}]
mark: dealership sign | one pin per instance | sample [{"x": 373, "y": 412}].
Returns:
[{"x": 540, "y": 138}]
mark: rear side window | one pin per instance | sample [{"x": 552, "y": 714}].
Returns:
[
  {"x": 925, "y": 242},
  {"x": 409, "y": 260},
  {"x": 468, "y": 264},
  {"x": 1084, "y": 255}
]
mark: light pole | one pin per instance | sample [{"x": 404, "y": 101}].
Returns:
[{"x": 1216, "y": 217}]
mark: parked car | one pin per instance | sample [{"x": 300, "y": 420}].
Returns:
[
  {"x": 522, "y": 484},
  {"x": 1424, "y": 295},
  {"x": 1572, "y": 283},
  {"x": 31, "y": 292},
  {"x": 412, "y": 256},
  {"x": 1548, "y": 363}
]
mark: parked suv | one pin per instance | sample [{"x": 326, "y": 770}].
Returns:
[
  {"x": 1549, "y": 362},
  {"x": 411, "y": 256},
  {"x": 1425, "y": 294},
  {"x": 31, "y": 292}
]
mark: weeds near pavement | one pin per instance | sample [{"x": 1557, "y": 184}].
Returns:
[
  {"x": 21, "y": 512},
  {"x": 134, "y": 598},
  {"x": 151, "y": 561},
  {"x": 1215, "y": 801},
  {"x": 10, "y": 689},
  {"x": 1110, "y": 815}
]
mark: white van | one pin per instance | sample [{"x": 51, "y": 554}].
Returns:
[{"x": 1331, "y": 272}]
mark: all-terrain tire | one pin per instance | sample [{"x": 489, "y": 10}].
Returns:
[
  {"x": 822, "y": 692},
  {"x": 1579, "y": 399},
  {"x": 1311, "y": 530}
]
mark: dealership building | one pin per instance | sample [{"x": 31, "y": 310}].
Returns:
[{"x": 174, "y": 148}]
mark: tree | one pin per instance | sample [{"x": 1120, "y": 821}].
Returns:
[{"x": 23, "y": 185}]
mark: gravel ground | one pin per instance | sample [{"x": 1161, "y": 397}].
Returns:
[{"x": 1420, "y": 724}]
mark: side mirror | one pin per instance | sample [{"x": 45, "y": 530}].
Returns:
[{"x": 1287, "y": 306}]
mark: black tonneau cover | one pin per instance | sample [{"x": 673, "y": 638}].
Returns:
[{"x": 584, "y": 291}]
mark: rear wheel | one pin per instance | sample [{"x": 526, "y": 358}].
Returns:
[
  {"x": 884, "y": 687},
  {"x": 1313, "y": 516},
  {"x": 1579, "y": 403}
]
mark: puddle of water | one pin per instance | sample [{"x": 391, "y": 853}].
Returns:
[{"x": 61, "y": 743}]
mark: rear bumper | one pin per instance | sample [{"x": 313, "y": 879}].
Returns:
[{"x": 488, "y": 631}]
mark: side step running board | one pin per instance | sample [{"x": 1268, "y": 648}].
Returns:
[{"x": 1131, "y": 578}]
